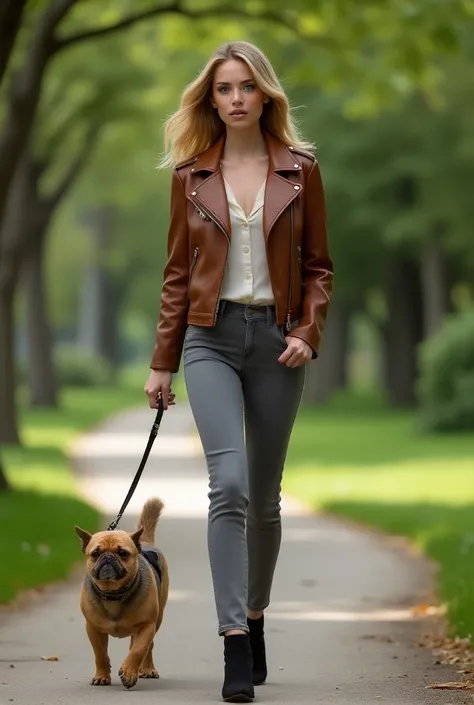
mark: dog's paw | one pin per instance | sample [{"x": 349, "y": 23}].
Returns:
[
  {"x": 101, "y": 679},
  {"x": 129, "y": 678},
  {"x": 148, "y": 673}
]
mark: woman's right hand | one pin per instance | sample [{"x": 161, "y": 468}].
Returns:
[{"x": 158, "y": 385}]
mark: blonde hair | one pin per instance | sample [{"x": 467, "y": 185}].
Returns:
[{"x": 196, "y": 125}]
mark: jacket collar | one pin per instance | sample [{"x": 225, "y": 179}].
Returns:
[{"x": 280, "y": 190}]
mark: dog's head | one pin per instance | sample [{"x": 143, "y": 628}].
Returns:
[{"x": 111, "y": 557}]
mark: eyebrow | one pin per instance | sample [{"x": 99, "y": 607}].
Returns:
[{"x": 227, "y": 83}]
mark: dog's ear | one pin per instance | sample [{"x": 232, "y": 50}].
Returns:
[
  {"x": 136, "y": 537},
  {"x": 85, "y": 536}
]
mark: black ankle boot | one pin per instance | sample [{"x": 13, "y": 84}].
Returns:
[
  {"x": 257, "y": 645},
  {"x": 238, "y": 686}
]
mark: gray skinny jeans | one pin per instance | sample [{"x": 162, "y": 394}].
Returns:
[{"x": 233, "y": 379}]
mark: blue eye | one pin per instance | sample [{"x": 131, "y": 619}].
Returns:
[{"x": 250, "y": 86}]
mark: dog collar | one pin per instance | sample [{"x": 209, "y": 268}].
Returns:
[{"x": 116, "y": 595}]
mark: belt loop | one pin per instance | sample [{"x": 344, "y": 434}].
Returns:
[{"x": 269, "y": 317}]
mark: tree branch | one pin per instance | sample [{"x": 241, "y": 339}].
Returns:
[
  {"x": 24, "y": 97},
  {"x": 11, "y": 13},
  {"x": 176, "y": 8},
  {"x": 128, "y": 21},
  {"x": 75, "y": 167}
]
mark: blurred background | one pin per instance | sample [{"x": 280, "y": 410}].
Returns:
[{"x": 386, "y": 92}]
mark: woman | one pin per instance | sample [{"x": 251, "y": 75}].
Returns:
[{"x": 245, "y": 295}]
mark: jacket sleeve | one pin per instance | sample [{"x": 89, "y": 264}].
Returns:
[
  {"x": 317, "y": 265},
  {"x": 174, "y": 294}
]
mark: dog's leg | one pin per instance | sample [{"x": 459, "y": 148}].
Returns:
[
  {"x": 141, "y": 643},
  {"x": 147, "y": 669},
  {"x": 99, "y": 644}
]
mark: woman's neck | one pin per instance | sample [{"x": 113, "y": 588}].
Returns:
[{"x": 244, "y": 144}]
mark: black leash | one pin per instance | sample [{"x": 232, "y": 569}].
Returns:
[{"x": 136, "y": 479}]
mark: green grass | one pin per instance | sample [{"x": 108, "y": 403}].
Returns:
[
  {"x": 372, "y": 465},
  {"x": 37, "y": 542}
]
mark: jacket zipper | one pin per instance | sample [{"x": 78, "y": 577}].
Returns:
[
  {"x": 209, "y": 215},
  {"x": 193, "y": 265},
  {"x": 290, "y": 293}
]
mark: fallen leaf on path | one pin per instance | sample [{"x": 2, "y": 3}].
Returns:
[
  {"x": 454, "y": 685},
  {"x": 426, "y": 610},
  {"x": 449, "y": 651},
  {"x": 49, "y": 658}
]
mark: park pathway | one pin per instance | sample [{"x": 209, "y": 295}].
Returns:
[{"x": 340, "y": 629}]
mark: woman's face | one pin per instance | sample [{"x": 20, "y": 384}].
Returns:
[{"x": 235, "y": 94}]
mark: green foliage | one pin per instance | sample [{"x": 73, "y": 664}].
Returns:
[
  {"x": 76, "y": 368},
  {"x": 446, "y": 385}
]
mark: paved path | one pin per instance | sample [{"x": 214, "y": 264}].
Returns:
[{"x": 340, "y": 629}]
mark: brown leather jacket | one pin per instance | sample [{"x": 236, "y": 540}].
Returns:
[{"x": 294, "y": 224}]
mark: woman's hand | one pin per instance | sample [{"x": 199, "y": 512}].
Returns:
[
  {"x": 297, "y": 353},
  {"x": 158, "y": 386}
]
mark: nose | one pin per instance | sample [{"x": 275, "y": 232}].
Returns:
[{"x": 236, "y": 97}]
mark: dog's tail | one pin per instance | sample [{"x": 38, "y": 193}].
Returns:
[{"x": 149, "y": 519}]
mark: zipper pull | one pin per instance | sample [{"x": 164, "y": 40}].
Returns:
[{"x": 288, "y": 322}]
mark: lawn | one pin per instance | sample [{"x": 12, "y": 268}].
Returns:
[
  {"x": 371, "y": 464},
  {"x": 37, "y": 542}
]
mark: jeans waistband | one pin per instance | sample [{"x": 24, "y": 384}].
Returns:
[{"x": 247, "y": 312}]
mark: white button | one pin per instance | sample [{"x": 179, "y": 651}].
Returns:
[
  {"x": 291, "y": 148},
  {"x": 297, "y": 188},
  {"x": 193, "y": 193},
  {"x": 192, "y": 169},
  {"x": 248, "y": 275},
  {"x": 297, "y": 166},
  {"x": 246, "y": 249}
]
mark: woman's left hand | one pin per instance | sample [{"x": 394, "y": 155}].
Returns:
[{"x": 297, "y": 353}]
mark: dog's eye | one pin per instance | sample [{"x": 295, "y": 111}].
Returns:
[
  {"x": 95, "y": 553},
  {"x": 123, "y": 553}
]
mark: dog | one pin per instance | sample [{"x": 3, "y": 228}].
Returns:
[{"x": 124, "y": 593}]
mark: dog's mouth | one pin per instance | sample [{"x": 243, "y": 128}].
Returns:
[{"x": 108, "y": 568}]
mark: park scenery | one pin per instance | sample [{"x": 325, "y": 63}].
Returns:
[{"x": 384, "y": 438}]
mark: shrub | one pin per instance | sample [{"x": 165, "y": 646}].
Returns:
[
  {"x": 446, "y": 384},
  {"x": 74, "y": 368}
]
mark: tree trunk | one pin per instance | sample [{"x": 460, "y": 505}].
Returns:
[
  {"x": 403, "y": 331},
  {"x": 41, "y": 374},
  {"x": 96, "y": 327},
  {"x": 330, "y": 371},
  {"x": 436, "y": 285},
  {"x": 8, "y": 412},
  {"x": 4, "y": 486},
  {"x": 11, "y": 12}
]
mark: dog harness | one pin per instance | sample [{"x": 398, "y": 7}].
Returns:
[{"x": 151, "y": 555}]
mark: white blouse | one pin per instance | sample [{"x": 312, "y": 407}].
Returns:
[{"x": 246, "y": 278}]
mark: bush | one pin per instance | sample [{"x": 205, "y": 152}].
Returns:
[
  {"x": 74, "y": 368},
  {"x": 446, "y": 384}
]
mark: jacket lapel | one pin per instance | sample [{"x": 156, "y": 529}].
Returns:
[
  {"x": 210, "y": 195},
  {"x": 280, "y": 190}
]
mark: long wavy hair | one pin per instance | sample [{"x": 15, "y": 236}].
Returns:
[{"x": 195, "y": 126}]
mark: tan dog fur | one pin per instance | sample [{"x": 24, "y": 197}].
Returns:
[{"x": 139, "y": 614}]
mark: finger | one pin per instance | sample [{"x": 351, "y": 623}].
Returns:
[
  {"x": 285, "y": 356},
  {"x": 295, "y": 359}
]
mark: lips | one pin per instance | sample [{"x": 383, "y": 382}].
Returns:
[{"x": 238, "y": 113}]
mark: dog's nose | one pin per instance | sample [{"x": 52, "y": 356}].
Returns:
[{"x": 106, "y": 571}]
